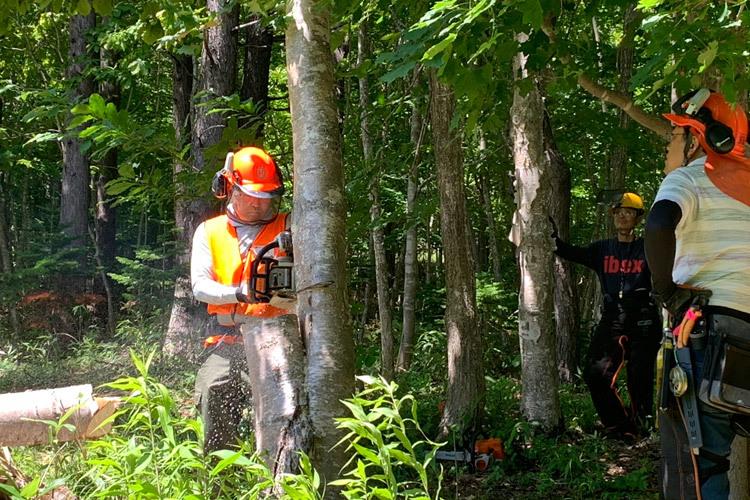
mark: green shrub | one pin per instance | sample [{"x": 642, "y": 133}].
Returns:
[{"x": 385, "y": 464}]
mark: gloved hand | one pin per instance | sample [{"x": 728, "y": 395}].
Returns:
[
  {"x": 241, "y": 293},
  {"x": 284, "y": 239},
  {"x": 680, "y": 298}
]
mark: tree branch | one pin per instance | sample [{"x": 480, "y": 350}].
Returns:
[{"x": 651, "y": 122}]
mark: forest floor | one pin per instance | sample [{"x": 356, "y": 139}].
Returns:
[
  {"x": 619, "y": 460},
  {"x": 580, "y": 464}
]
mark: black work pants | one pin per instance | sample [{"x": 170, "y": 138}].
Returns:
[{"x": 626, "y": 338}]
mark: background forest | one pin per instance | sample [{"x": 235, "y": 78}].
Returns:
[{"x": 462, "y": 126}]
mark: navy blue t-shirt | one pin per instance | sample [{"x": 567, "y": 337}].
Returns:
[{"x": 621, "y": 266}]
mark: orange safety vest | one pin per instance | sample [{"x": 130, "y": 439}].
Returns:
[{"x": 231, "y": 269}]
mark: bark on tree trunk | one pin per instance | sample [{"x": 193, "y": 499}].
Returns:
[
  {"x": 276, "y": 363},
  {"x": 7, "y": 261},
  {"x": 106, "y": 214},
  {"x": 187, "y": 318},
  {"x": 591, "y": 298},
  {"x": 75, "y": 193},
  {"x": 484, "y": 188},
  {"x": 566, "y": 305},
  {"x": 319, "y": 229},
  {"x": 377, "y": 236},
  {"x": 411, "y": 267},
  {"x": 256, "y": 68},
  {"x": 540, "y": 399},
  {"x": 618, "y": 156},
  {"x": 465, "y": 393},
  {"x": 219, "y": 78}
]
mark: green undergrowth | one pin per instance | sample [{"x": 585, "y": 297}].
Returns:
[{"x": 155, "y": 451}]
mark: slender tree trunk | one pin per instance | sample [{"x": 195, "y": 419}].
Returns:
[
  {"x": 483, "y": 185},
  {"x": 7, "y": 260},
  {"x": 368, "y": 289},
  {"x": 256, "y": 68},
  {"x": 75, "y": 194},
  {"x": 411, "y": 267},
  {"x": 106, "y": 214},
  {"x": 319, "y": 229},
  {"x": 23, "y": 238},
  {"x": 377, "y": 236},
  {"x": 185, "y": 322},
  {"x": 218, "y": 70},
  {"x": 566, "y": 304},
  {"x": 540, "y": 399},
  {"x": 624, "y": 73},
  {"x": 465, "y": 394},
  {"x": 428, "y": 263},
  {"x": 591, "y": 298},
  {"x": 618, "y": 158}
]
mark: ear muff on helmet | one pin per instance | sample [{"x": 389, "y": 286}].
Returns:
[
  {"x": 224, "y": 179},
  {"x": 719, "y": 137},
  {"x": 698, "y": 104}
]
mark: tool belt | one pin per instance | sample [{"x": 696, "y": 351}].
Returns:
[{"x": 725, "y": 380}]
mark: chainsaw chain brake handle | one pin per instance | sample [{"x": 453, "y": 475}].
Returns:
[{"x": 269, "y": 275}]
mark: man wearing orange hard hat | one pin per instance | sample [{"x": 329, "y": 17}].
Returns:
[
  {"x": 698, "y": 247},
  {"x": 223, "y": 252}
]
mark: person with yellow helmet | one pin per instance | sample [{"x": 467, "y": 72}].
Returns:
[
  {"x": 223, "y": 251},
  {"x": 628, "y": 330},
  {"x": 698, "y": 246}
]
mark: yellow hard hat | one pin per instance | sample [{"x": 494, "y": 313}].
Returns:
[{"x": 629, "y": 200}]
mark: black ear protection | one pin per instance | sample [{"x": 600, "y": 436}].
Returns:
[
  {"x": 221, "y": 185},
  {"x": 719, "y": 137}
]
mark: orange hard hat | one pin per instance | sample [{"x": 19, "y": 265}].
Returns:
[
  {"x": 256, "y": 174},
  {"x": 717, "y": 126}
]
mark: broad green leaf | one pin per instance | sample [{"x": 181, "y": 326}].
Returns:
[
  {"x": 152, "y": 33},
  {"x": 126, "y": 170},
  {"x": 532, "y": 13},
  {"x": 443, "y": 45},
  {"x": 31, "y": 489},
  {"x": 707, "y": 56},
  {"x": 649, "y": 4},
  {"x": 83, "y": 8},
  {"x": 97, "y": 104},
  {"x": 103, "y": 7}
]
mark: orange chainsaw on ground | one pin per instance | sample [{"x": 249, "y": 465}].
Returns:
[{"x": 483, "y": 453}]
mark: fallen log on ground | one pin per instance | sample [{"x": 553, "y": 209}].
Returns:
[{"x": 24, "y": 416}]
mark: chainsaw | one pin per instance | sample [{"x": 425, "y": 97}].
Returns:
[
  {"x": 272, "y": 278},
  {"x": 484, "y": 452}
]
